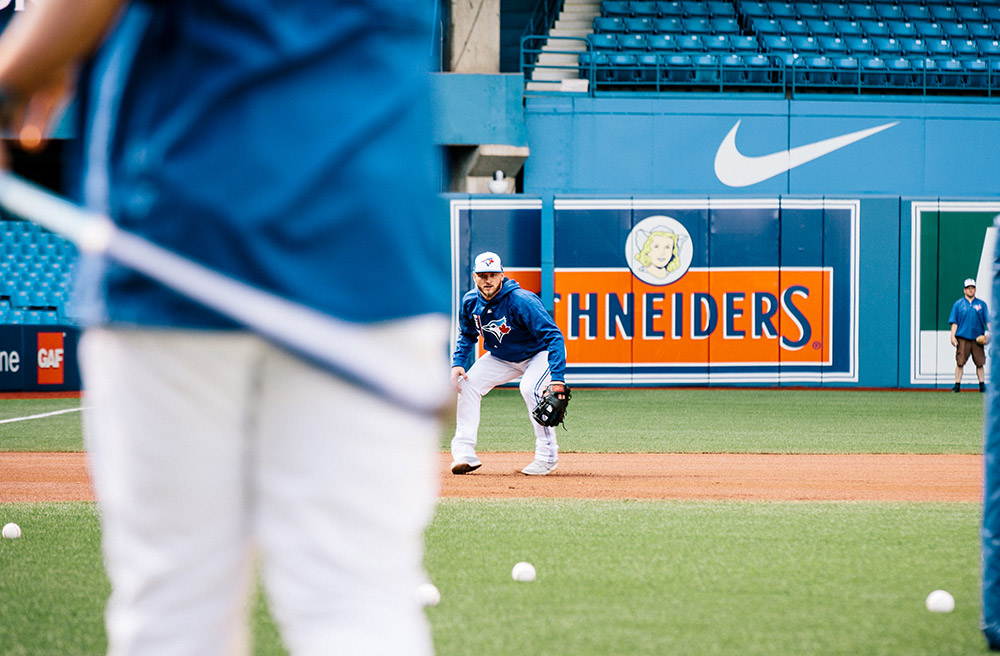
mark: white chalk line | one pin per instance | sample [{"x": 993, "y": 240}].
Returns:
[{"x": 41, "y": 416}]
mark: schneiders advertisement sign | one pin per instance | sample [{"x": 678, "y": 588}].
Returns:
[{"x": 668, "y": 291}]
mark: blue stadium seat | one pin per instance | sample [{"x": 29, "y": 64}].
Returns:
[
  {"x": 989, "y": 47},
  {"x": 862, "y": 12},
  {"x": 706, "y": 69},
  {"x": 965, "y": 49},
  {"x": 970, "y": 14},
  {"x": 672, "y": 9},
  {"x": 859, "y": 46},
  {"x": 690, "y": 42},
  {"x": 639, "y": 25},
  {"x": 819, "y": 27},
  {"x": 697, "y": 25},
  {"x": 805, "y": 45},
  {"x": 902, "y": 30},
  {"x": 678, "y": 68},
  {"x": 758, "y": 69},
  {"x": 721, "y": 9},
  {"x": 782, "y": 9},
  {"x": 649, "y": 67},
  {"x": 925, "y": 73},
  {"x": 991, "y": 12},
  {"x": 792, "y": 27},
  {"x": 994, "y": 65},
  {"x": 622, "y": 67},
  {"x": 717, "y": 43},
  {"x": 725, "y": 25},
  {"x": 609, "y": 25},
  {"x": 951, "y": 73},
  {"x": 50, "y": 318},
  {"x": 586, "y": 64},
  {"x": 939, "y": 47},
  {"x": 915, "y": 12},
  {"x": 929, "y": 30},
  {"x": 955, "y": 30},
  {"x": 837, "y": 12},
  {"x": 873, "y": 29},
  {"x": 889, "y": 13},
  {"x": 914, "y": 47},
  {"x": 744, "y": 43},
  {"x": 976, "y": 73},
  {"x": 941, "y": 13},
  {"x": 776, "y": 44},
  {"x": 900, "y": 72},
  {"x": 982, "y": 31},
  {"x": 846, "y": 71},
  {"x": 603, "y": 41},
  {"x": 15, "y": 316},
  {"x": 668, "y": 25},
  {"x": 733, "y": 70},
  {"x": 662, "y": 42},
  {"x": 766, "y": 26},
  {"x": 644, "y": 8},
  {"x": 820, "y": 70},
  {"x": 887, "y": 48},
  {"x": 832, "y": 45},
  {"x": 632, "y": 42},
  {"x": 848, "y": 28},
  {"x": 612, "y": 8},
  {"x": 809, "y": 11},
  {"x": 693, "y": 8}
]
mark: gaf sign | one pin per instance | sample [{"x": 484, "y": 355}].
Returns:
[{"x": 38, "y": 358}]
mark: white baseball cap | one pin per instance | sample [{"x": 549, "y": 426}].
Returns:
[
  {"x": 487, "y": 262},
  {"x": 970, "y": 282}
]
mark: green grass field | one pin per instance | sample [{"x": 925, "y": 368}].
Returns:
[{"x": 617, "y": 577}]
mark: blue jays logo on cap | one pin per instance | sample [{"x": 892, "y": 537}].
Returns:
[{"x": 488, "y": 262}]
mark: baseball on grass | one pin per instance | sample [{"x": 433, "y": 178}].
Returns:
[
  {"x": 940, "y": 601},
  {"x": 11, "y": 531},
  {"x": 428, "y": 594},
  {"x": 523, "y": 572}
]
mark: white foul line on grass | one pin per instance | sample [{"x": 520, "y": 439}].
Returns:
[{"x": 41, "y": 416}]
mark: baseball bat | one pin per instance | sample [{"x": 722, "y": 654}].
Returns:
[{"x": 337, "y": 346}]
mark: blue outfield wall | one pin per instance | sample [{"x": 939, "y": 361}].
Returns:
[{"x": 39, "y": 358}]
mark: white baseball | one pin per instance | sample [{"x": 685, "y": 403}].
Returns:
[
  {"x": 428, "y": 594},
  {"x": 523, "y": 572},
  {"x": 940, "y": 601},
  {"x": 11, "y": 531}
]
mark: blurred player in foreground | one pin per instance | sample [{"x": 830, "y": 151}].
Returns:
[
  {"x": 275, "y": 143},
  {"x": 521, "y": 339},
  {"x": 969, "y": 319}
]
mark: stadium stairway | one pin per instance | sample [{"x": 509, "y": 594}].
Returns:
[{"x": 559, "y": 58}]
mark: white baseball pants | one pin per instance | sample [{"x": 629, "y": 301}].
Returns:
[
  {"x": 484, "y": 375},
  {"x": 211, "y": 449}
]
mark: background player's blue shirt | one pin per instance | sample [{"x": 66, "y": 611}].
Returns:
[
  {"x": 260, "y": 139},
  {"x": 970, "y": 317},
  {"x": 514, "y": 326}
]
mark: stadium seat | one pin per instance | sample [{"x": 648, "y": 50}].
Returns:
[
  {"x": 846, "y": 71},
  {"x": 776, "y": 44},
  {"x": 862, "y": 12},
  {"x": 671, "y": 9},
  {"x": 764, "y": 26},
  {"x": 929, "y": 31},
  {"x": 678, "y": 68},
  {"x": 593, "y": 65},
  {"x": 649, "y": 67},
  {"x": 873, "y": 29},
  {"x": 744, "y": 43},
  {"x": 955, "y": 30},
  {"x": 782, "y": 10},
  {"x": 989, "y": 48},
  {"x": 835, "y": 12},
  {"x": 900, "y": 72},
  {"x": 694, "y": 8},
  {"x": 717, "y": 43},
  {"x": 661, "y": 42},
  {"x": 603, "y": 41},
  {"x": 613, "y": 8},
  {"x": 622, "y": 67},
  {"x": 637, "y": 25},
  {"x": 805, "y": 45},
  {"x": 820, "y": 71},
  {"x": 970, "y": 14},
  {"x": 994, "y": 72},
  {"x": 609, "y": 25},
  {"x": 754, "y": 9},
  {"x": 941, "y": 13},
  {"x": 965, "y": 49},
  {"x": 992, "y": 13},
  {"x": 644, "y": 8},
  {"x": 832, "y": 45},
  {"x": 976, "y": 73},
  {"x": 733, "y": 70},
  {"x": 725, "y": 25},
  {"x": 951, "y": 73},
  {"x": 859, "y": 45},
  {"x": 758, "y": 69},
  {"x": 903, "y": 30},
  {"x": 690, "y": 42},
  {"x": 848, "y": 28},
  {"x": 914, "y": 47},
  {"x": 706, "y": 69},
  {"x": 982, "y": 31},
  {"x": 939, "y": 47},
  {"x": 915, "y": 12},
  {"x": 697, "y": 25},
  {"x": 807, "y": 11},
  {"x": 889, "y": 13},
  {"x": 15, "y": 316},
  {"x": 668, "y": 25},
  {"x": 819, "y": 27},
  {"x": 632, "y": 42},
  {"x": 720, "y": 9},
  {"x": 792, "y": 27},
  {"x": 887, "y": 48}
]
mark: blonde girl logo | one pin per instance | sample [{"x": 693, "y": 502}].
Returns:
[{"x": 659, "y": 250}]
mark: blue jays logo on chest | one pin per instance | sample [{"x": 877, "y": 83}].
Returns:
[{"x": 498, "y": 327}]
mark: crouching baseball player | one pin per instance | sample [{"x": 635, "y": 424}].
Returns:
[{"x": 521, "y": 339}]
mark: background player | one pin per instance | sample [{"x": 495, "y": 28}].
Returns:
[
  {"x": 969, "y": 321},
  {"x": 521, "y": 339},
  {"x": 246, "y": 135}
]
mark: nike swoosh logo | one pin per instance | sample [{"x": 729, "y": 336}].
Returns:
[{"x": 735, "y": 169}]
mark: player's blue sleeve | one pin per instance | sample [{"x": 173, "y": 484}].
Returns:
[
  {"x": 547, "y": 332},
  {"x": 951, "y": 317},
  {"x": 468, "y": 336}
]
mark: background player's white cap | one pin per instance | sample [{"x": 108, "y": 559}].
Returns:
[
  {"x": 487, "y": 262},
  {"x": 970, "y": 282}
]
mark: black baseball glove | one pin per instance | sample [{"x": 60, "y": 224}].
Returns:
[{"x": 551, "y": 410}]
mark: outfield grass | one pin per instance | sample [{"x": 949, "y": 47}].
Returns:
[
  {"x": 54, "y": 433},
  {"x": 625, "y": 577}
]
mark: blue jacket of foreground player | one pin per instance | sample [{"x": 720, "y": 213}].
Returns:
[
  {"x": 257, "y": 138},
  {"x": 970, "y": 317},
  {"x": 514, "y": 326}
]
